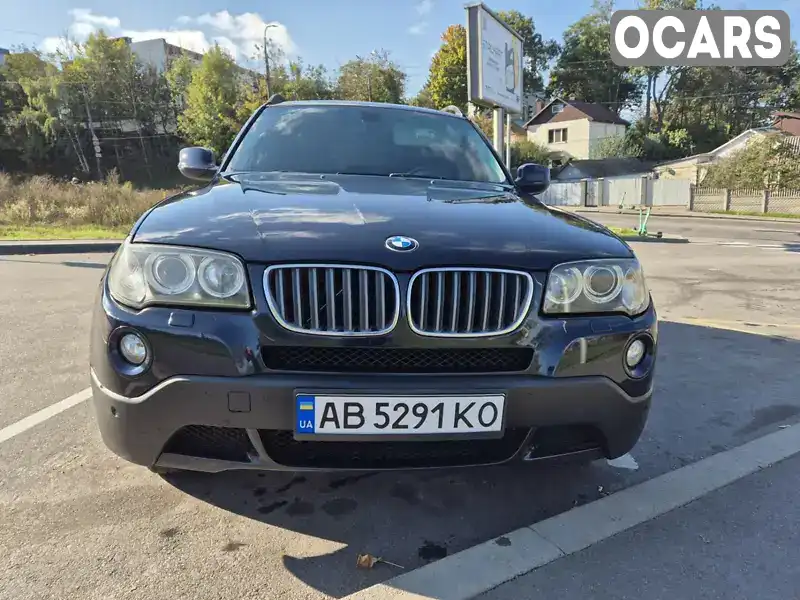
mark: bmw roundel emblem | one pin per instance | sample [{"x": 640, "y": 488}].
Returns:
[{"x": 401, "y": 243}]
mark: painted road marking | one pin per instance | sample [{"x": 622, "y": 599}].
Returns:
[
  {"x": 476, "y": 570},
  {"x": 37, "y": 418},
  {"x": 752, "y": 327}
]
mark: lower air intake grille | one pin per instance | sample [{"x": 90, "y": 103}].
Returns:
[
  {"x": 338, "y": 300},
  {"x": 397, "y": 360},
  {"x": 203, "y": 441},
  {"x": 285, "y": 450}
]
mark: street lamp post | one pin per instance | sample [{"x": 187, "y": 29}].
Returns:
[{"x": 266, "y": 57}]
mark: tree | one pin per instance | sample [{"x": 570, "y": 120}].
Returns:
[
  {"x": 179, "y": 76},
  {"x": 210, "y": 118},
  {"x": 616, "y": 146},
  {"x": 651, "y": 74},
  {"x": 423, "y": 98},
  {"x": 29, "y": 123},
  {"x": 767, "y": 162},
  {"x": 537, "y": 52},
  {"x": 528, "y": 151},
  {"x": 447, "y": 80},
  {"x": 375, "y": 79},
  {"x": 584, "y": 70},
  {"x": 304, "y": 82}
]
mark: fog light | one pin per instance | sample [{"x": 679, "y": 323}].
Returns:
[
  {"x": 133, "y": 348},
  {"x": 635, "y": 353}
]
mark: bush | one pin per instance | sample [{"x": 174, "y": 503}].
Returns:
[
  {"x": 41, "y": 200},
  {"x": 770, "y": 161},
  {"x": 527, "y": 151}
]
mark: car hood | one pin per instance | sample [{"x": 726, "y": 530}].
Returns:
[{"x": 288, "y": 218}]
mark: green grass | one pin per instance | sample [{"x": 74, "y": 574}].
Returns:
[
  {"x": 624, "y": 231},
  {"x": 43, "y": 208},
  {"x": 745, "y": 213},
  {"x": 59, "y": 232}
]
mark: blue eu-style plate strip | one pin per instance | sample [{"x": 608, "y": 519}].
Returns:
[{"x": 305, "y": 414}]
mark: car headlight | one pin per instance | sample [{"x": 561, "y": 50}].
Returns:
[
  {"x": 146, "y": 274},
  {"x": 592, "y": 286}
]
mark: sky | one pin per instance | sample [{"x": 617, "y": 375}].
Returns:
[{"x": 318, "y": 31}]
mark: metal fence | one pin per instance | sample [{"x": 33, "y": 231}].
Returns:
[
  {"x": 705, "y": 199},
  {"x": 619, "y": 191}
]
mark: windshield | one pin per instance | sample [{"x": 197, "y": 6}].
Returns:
[{"x": 366, "y": 140}]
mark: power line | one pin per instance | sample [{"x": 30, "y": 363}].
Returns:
[{"x": 22, "y": 31}]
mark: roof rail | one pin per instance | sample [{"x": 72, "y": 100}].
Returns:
[
  {"x": 452, "y": 109},
  {"x": 276, "y": 99}
]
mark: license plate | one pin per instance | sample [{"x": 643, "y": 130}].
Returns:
[{"x": 398, "y": 415}]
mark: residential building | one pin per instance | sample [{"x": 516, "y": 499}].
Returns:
[
  {"x": 159, "y": 53},
  {"x": 3, "y": 54},
  {"x": 603, "y": 168},
  {"x": 570, "y": 128},
  {"x": 788, "y": 122},
  {"x": 695, "y": 167}
]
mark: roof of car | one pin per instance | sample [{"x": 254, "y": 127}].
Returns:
[{"x": 360, "y": 103}]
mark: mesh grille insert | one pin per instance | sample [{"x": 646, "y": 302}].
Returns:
[
  {"x": 204, "y": 441},
  {"x": 285, "y": 450},
  {"x": 397, "y": 360}
]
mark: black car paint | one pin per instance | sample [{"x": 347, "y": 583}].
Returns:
[
  {"x": 230, "y": 344},
  {"x": 293, "y": 217},
  {"x": 289, "y": 217}
]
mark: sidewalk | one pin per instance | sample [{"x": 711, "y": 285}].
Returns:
[
  {"x": 675, "y": 211},
  {"x": 739, "y": 542}
]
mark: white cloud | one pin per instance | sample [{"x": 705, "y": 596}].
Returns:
[
  {"x": 424, "y": 7},
  {"x": 84, "y": 15},
  {"x": 237, "y": 34},
  {"x": 247, "y": 30},
  {"x": 190, "y": 39}
]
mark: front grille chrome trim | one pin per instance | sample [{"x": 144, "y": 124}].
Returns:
[
  {"x": 478, "y": 318},
  {"x": 323, "y": 274}
]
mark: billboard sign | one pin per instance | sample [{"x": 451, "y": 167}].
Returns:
[{"x": 494, "y": 61}]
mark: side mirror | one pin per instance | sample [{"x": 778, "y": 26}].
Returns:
[
  {"x": 197, "y": 163},
  {"x": 533, "y": 178}
]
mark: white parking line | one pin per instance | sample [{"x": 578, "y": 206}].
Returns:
[
  {"x": 21, "y": 426},
  {"x": 476, "y": 570}
]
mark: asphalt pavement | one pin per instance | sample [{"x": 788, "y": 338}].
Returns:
[
  {"x": 78, "y": 522},
  {"x": 700, "y": 229},
  {"x": 737, "y": 543}
]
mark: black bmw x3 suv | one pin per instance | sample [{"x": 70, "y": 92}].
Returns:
[{"x": 366, "y": 286}]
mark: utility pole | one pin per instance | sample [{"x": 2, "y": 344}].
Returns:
[
  {"x": 266, "y": 57},
  {"x": 97, "y": 152}
]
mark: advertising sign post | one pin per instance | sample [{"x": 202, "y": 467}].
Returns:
[{"x": 494, "y": 68}]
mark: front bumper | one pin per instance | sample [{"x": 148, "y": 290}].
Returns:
[
  {"x": 211, "y": 381},
  {"x": 261, "y": 409}
]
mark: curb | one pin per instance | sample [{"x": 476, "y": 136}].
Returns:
[
  {"x": 651, "y": 239},
  {"x": 485, "y": 566},
  {"x": 691, "y": 215},
  {"x": 58, "y": 247}
]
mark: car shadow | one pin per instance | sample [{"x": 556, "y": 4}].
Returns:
[{"x": 715, "y": 389}]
